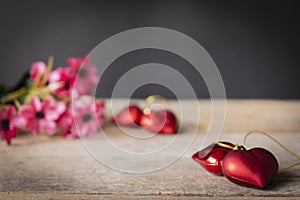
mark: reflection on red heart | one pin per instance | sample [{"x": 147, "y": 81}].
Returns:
[
  {"x": 211, "y": 157},
  {"x": 162, "y": 121},
  {"x": 252, "y": 168},
  {"x": 130, "y": 116}
]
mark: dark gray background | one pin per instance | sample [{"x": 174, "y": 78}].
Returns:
[{"x": 255, "y": 44}]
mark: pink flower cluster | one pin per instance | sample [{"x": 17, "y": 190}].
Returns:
[
  {"x": 80, "y": 77},
  {"x": 67, "y": 109},
  {"x": 10, "y": 122}
]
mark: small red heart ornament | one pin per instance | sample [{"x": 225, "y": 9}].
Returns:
[
  {"x": 163, "y": 121},
  {"x": 211, "y": 157},
  {"x": 252, "y": 168},
  {"x": 130, "y": 116}
]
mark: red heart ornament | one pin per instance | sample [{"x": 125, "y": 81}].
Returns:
[
  {"x": 162, "y": 121},
  {"x": 211, "y": 157},
  {"x": 252, "y": 168},
  {"x": 130, "y": 116}
]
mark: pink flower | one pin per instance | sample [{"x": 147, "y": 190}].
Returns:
[
  {"x": 81, "y": 70},
  {"x": 37, "y": 67},
  {"x": 10, "y": 122},
  {"x": 64, "y": 76},
  {"x": 88, "y": 116},
  {"x": 86, "y": 74},
  {"x": 41, "y": 116},
  {"x": 66, "y": 122},
  {"x": 75, "y": 63}
]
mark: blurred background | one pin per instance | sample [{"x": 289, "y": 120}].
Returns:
[{"x": 255, "y": 44}]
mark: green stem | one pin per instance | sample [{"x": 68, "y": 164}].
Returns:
[{"x": 14, "y": 95}]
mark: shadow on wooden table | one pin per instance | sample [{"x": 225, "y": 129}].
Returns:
[{"x": 283, "y": 180}]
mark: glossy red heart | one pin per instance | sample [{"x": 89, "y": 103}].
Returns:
[
  {"x": 252, "y": 168},
  {"x": 162, "y": 121},
  {"x": 130, "y": 116},
  {"x": 211, "y": 157}
]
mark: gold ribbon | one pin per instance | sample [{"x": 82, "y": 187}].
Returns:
[{"x": 152, "y": 98}]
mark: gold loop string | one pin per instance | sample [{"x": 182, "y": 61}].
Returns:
[
  {"x": 153, "y": 98},
  {"x": 289, "y": 167},
  {"x": 203, "y": 126},
  {"x": 224, "y": 145}
]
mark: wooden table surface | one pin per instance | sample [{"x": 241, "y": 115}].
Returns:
[{"x": 45, "y": 167}]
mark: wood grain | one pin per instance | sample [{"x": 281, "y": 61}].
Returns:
[{"x": 53, "y": 168}]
